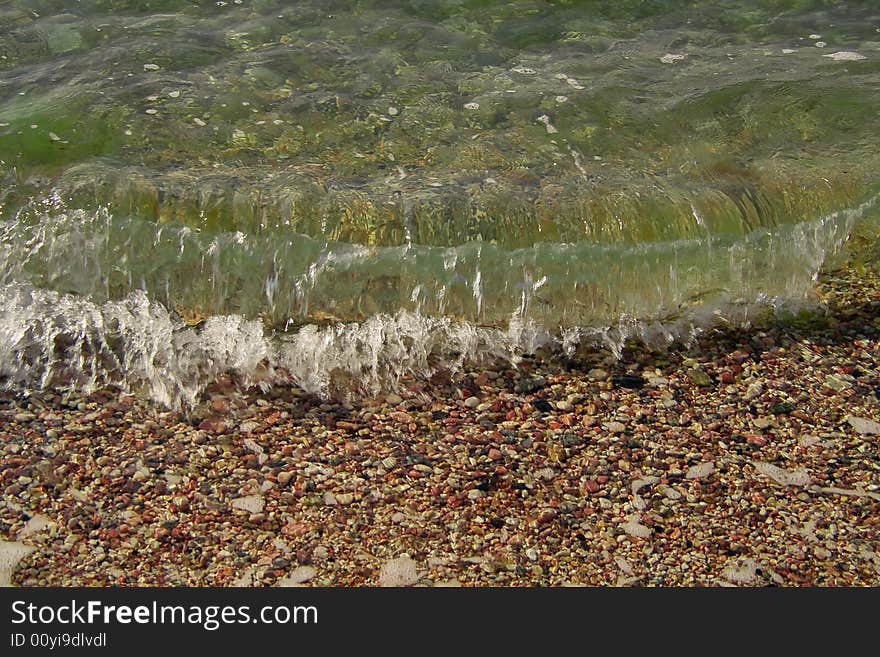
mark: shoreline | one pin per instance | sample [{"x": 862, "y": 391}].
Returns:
[{"x": 751, "y": 457}]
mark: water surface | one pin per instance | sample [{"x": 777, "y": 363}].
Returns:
[{"x": 372, "y": 187}]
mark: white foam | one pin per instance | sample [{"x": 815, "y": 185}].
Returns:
[
  {"x": 80, "y": 341},
  {"x": 64, "y": 342}
]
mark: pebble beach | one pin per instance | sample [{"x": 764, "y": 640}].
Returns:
[{"x": 750, "y": 457}]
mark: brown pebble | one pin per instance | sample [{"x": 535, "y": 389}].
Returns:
[{"x": 213, "y": 425}]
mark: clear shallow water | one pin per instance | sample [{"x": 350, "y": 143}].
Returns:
[{"x": 363, "y": 189}]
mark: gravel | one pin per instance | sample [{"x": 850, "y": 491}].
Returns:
[{"x": 758, "y": 473}]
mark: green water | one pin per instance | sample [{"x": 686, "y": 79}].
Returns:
[
  {"x": 443, "y": 122},
  {"x": 568, "y": 163}
]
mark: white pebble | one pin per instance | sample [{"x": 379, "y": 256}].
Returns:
[
  {"x": 472, "y": 106},
  {"x": 740, "y": 571},
  {"x": 670, "y": 58},
  {"x": 638, "y": 484},
  {"x": 634, "y": 528},
  {"x": 152, "y": 111},
  {"x": 198, "y": 121},
  {"x": 253, "y": 446},
  {"x": 546, "y": 121},
  {"x": 700, "y": 470},
  {"x": 671, "y": 493},
  {"x": 249, "y": 503},
  {"x": 299, "y": 575},
  {"x": 754, "y": 390},
  {"x": 799, "y": 477},
  {"x": 624, "y": 566},
  {"x": 864, "y": 426},
  {"x": 10, "y": 554},
  {"x": 845, "y": 56},
  {"x": 401, "y": 571},
  {"x": 36, "y": 524},
  {"x": 151, "y": 67}
]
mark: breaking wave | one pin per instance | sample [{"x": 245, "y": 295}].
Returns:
[{"x": 77, "y": 337}]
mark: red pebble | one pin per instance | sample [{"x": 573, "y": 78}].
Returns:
[
  {"x": 295, "y": 529},
  {"x": 214, "y": 425}
]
